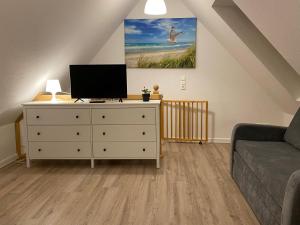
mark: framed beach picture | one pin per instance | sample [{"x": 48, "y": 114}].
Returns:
[{"x": 160, "y": 43}]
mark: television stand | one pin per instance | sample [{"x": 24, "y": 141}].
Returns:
[
  {"x": 120, "y": 100},
  {"x": 78, "y": 99},
  {"x": 111, "y": 130}
]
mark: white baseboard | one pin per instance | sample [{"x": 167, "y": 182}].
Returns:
[
  {"x": 210, "y": 140},
  {"x": 8, "y": 160},
  {"x": 219, "y": 140}
]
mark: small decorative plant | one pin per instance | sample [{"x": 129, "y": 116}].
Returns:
[
  {"x": 146, "y": 94},
  {"x": 145, "y": 90}
]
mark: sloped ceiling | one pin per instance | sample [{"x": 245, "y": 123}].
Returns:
[
  {"x": 279, "y": 21},
  {"x": 248, "y": 33},
  {"x": 39, "y": 39},
  {"x": 209, "y": 16}
]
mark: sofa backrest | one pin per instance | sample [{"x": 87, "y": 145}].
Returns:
[{"x": 292, "y": 134}]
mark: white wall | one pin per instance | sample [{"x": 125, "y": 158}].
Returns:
[
  {"x": 232, "y": 94},
  {"x": 7, "y": 144},
  {"x": 39, "y": 39}
]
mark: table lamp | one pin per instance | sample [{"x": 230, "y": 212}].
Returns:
[{"x": 53, "y": 86}]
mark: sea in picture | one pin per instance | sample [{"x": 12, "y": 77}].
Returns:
[{"x": 160, "y": 43}]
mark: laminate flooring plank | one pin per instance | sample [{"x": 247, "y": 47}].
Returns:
[{"x": 192, "y": 187}]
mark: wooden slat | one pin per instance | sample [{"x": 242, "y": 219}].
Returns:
[
  {"x": 192, "y": 120},
  {"x": 180, "y": 120},
  {"x": 201, "y": 123},
  {"x": 176, "y": 120},
  {"x": 181, "y": 101},
  {"x": 206, "y": 118},
  {"x": 171, "y": 119},
  {"x": 167, "y": 119},
  {"x": 183, "y": 120},
  {"x": 188, "y": 120},
  {"x": 197, "y": 121}
]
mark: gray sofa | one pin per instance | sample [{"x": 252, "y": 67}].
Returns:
[{"x": 265, "y": 164}]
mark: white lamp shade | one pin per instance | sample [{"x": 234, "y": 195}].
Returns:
[
  {"x": 155, "y": 7},
  {"x": 53, "y": 86}
]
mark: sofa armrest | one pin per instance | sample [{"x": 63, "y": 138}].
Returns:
[
  {"x": 291, "y": 203},
  {"x": 255, "y": 132},
  {"x": 258, "y": 132}
]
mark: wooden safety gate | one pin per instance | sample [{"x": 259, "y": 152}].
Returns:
[{"x": 184, "y": 120}]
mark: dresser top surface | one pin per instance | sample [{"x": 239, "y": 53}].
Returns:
[{"x": 86, "y": 103}]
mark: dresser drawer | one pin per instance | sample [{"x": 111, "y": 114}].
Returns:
[
  {"x": 59, "y": 133},
  {"x": 56, "y": 150},
  {"x": 57, "y": 116},
  {"x": 124, "y": 116},
  {"x": 124, "y": 150},
  {"x": 124, "y": 133}
]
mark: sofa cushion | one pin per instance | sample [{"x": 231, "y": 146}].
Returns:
[
  {"x": 292, "y": 134},
  {"x": 272, "y": 163}
]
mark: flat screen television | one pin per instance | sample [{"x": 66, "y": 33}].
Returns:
[{"x": 98, "y": 81}]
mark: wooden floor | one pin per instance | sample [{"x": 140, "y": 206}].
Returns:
[{"x": 193, "y": 187}]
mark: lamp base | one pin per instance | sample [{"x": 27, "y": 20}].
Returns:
[{"x": 53, "y": 99}]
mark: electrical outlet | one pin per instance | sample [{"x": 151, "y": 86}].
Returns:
[{"x": 182, "y": 83}]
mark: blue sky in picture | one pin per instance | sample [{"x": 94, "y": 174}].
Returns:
[{"x": 157, "y": 30}]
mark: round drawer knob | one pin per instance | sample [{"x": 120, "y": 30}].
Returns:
[
  {"x": 103, "y": 133},
  {"x": 144, "y": 149},
  {"x": 78, "y": 150},
  {"x": 143, "y": 116},
  {"x": 38, "y": 133},
  {"x": 39, "y": 149},
  {"x": 103, "y": 117},
  {"x": 77, "y": 133},
  {"x": 37, "y": 117},
  {"x": 104, "y": 149},
  {"x": 144, "y": 133},
  {"x": 77, "y": 116}
]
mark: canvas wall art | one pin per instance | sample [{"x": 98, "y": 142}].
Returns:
[{"x": 160, "y": 43}]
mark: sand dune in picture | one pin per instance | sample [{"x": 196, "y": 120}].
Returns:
[{"x": 133, "y": 58}]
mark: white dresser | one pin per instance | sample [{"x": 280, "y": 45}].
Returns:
[{"x": 111, "y": 130}]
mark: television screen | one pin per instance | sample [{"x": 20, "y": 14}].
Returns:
[{"x": 98, "y": 81}]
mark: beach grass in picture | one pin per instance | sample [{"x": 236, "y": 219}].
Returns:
[{"x": 160, "y": 43}]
